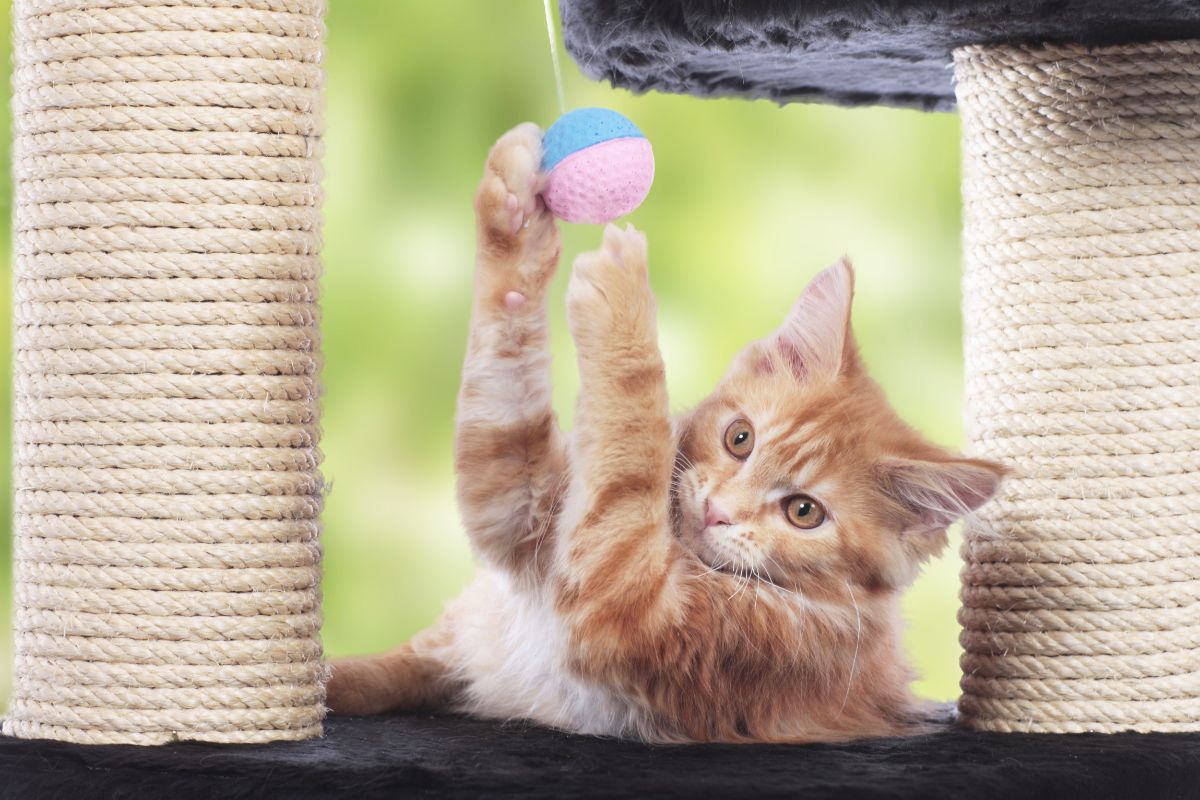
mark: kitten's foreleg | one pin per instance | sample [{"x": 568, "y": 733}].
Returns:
[
  {"x": 508, "y": 454},
  {"x": 618, "y": 560}
]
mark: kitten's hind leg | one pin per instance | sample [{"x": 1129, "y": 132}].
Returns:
[
  {"x": 403, "y": 679},
  {"x": 508, "y": 456}
]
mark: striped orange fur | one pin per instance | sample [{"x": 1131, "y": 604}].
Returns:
[{"x": 732, "y": 574}]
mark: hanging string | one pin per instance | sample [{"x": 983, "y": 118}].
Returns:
[{"x": 558, "y": 81}]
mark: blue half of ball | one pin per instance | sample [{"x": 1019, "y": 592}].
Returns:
[{"x": 582, "y": 128}]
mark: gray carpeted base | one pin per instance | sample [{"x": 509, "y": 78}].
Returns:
[
  {"x": 422, "y": 756},
  {"x": 851, "y": 52}
]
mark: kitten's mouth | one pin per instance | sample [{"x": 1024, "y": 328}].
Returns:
[
  {"x": 734, "y": 570},
  {"x": 724, "y": 567}
]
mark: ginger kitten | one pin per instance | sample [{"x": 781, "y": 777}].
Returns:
[{"x": 733, "y": 574}]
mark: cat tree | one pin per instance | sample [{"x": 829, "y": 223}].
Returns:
[{"x": 167, "y": 494}]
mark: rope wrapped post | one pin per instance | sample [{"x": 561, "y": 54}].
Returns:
[
  {"x": 1081, "y": 596},
  {"x": 167, "y": 561}
]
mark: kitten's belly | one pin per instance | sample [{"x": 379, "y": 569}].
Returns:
[{"x": 511, "y": 651}]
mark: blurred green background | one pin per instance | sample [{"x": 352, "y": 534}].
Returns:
[{"x": 750, "y": 200}]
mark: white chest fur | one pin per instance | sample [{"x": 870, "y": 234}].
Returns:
[{"x": 510, "y": 649}]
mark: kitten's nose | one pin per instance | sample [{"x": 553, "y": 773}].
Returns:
[{"x": 714, "y": 514}]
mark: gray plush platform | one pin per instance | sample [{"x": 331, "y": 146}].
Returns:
[
  {"x": 422, "y": 756},
  {"x": 852, "y": 52}
]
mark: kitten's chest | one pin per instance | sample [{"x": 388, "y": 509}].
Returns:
[{"x": 512, "y": 651}]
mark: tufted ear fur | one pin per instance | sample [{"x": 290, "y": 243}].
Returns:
[
  {"x": 935, "y": 494},
  {"x": 815, "y": 340}
]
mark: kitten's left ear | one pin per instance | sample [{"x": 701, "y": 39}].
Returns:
[
  {"x": 815, "y": 339},
  {"x": 936, "y": 494}
]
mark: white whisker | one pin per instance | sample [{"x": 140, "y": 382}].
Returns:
[
  {"x": 771, "y": 580},
  {"x": 857, "y": 641},
  {"x": 714, "y": 568},
  {"x": 555, "y": 505},
  {"x": 742, "y": 588}
]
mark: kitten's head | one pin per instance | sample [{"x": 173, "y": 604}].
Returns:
[{"x": 796, "y": 469}]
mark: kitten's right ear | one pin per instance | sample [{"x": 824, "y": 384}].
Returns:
[
  {"x": 936, "y": 494},
  {"x": 815, "y": 339}
]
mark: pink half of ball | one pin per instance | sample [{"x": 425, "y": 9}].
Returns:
[{"x": 601, "y": 183}]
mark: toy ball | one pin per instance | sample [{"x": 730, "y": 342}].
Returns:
[{"x": 599, "y": 166}]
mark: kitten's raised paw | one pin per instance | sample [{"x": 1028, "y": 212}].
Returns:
[
  {"x": 518, "y": 238},
  {"x": 610, "y": 288}
]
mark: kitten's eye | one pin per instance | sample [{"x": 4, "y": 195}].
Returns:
[
  {"x": 739, "y": 439},
  {"x": 803, "y": 512}
]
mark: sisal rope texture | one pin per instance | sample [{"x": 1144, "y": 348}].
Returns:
[
  {"x": 1081, "y": 588},
  {"x": 167, "y": 495}
]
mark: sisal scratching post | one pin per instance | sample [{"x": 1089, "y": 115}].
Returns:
[
  {"x": 1081, "y": 606},
  {"x": 167, "y": 494}
]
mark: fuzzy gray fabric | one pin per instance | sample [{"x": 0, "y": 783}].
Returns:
[
  {"x": 850, "y": 52},
  {"x": 423, "y": 756}
]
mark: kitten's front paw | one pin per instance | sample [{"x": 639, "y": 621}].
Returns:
[
  {"x": 609, "y": 290},
  {"x": 518, "y": 239}
]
